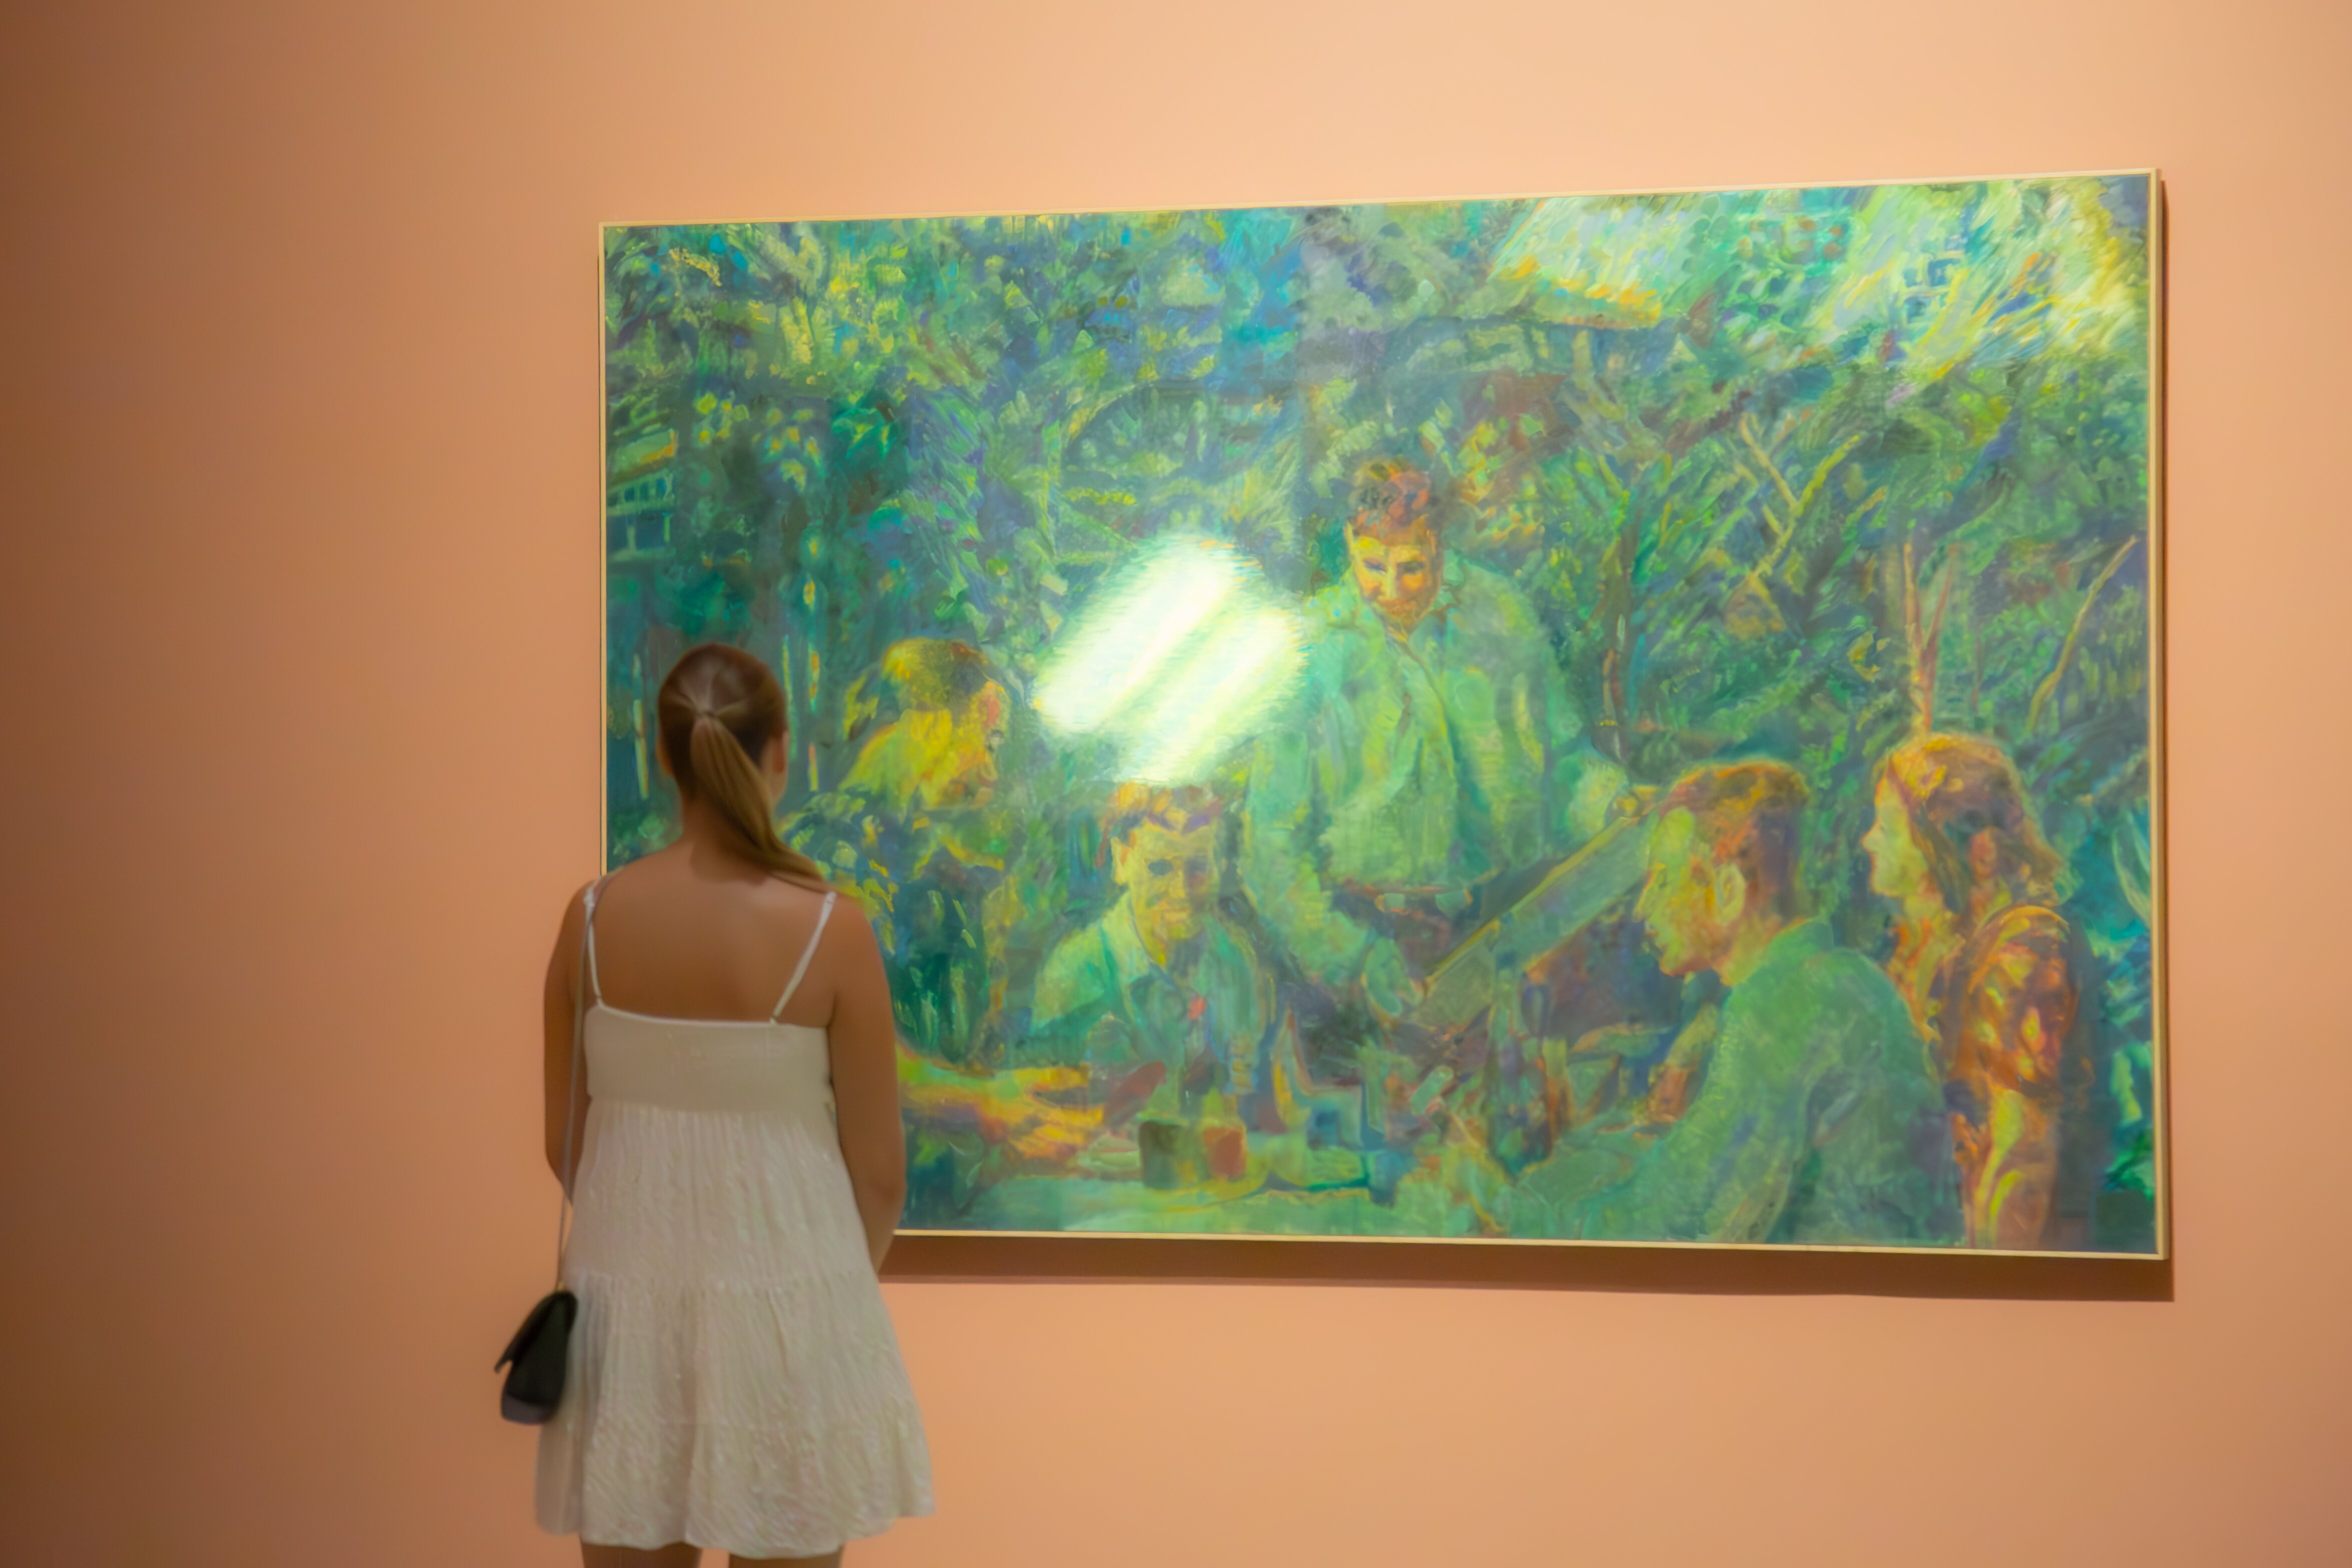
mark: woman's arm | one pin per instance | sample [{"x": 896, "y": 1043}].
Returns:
[
  {"x": 558, "y": 1000},
  {"x": 864, "y": 1045}
]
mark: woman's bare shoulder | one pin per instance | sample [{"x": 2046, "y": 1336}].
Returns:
[
  {"x": 849, "y": 920},
  {"x": 575, "y": 905}
]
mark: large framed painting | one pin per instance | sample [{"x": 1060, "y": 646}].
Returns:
[{"x": 1625, "y": 718}]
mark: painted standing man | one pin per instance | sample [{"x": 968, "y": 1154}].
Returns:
[
  {"x": 1818, "y": 1119},
  {"x": 1438, "y": 751}
]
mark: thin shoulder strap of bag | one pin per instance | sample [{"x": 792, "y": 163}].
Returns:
[
  {"x": 800, "y": 970},
  {"x": 581, "y": 995}
]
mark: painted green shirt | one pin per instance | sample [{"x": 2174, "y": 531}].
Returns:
[
  {"x": 1818, "y": 1122},
  {"x": 1425, "y": 763},
  {"x": 1102, "y": 998}
]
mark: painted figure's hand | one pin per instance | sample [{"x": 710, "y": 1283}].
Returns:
[
  {"x": 1669, "y": 1094},
  {"x": 1388, "y": 986},
  {"x": 1602, "y": 795},
  {"x": 1030, "y": 1123}
]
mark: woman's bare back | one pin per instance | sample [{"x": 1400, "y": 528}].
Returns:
[{"x": 691, "y": 931}]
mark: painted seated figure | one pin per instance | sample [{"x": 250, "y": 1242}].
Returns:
[
  {"x": 917, "y": 833},
  {"x": 914, "y": 834},
  {"x": 1817, "y": 1119},
  {"x": 1162, "y": 977},
  {"x": 1988, "y": 967}
]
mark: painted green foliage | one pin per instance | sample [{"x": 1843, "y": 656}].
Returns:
[{"x": 1779, "y": 472}]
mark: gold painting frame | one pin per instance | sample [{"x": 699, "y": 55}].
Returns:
[{"x": 2155, "y": 526}]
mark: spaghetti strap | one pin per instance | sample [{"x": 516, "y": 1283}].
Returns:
[
  {"x": 588, "y": 921},
  {"x": 807, "y": 952}
]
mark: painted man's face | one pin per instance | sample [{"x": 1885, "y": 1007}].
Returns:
[
  {"x": 1690, "y": 901},
  {"x": 1399, "y": 576},
  {"x": 956, "y": 753},
  {"x": 979, "y": 732},
  {"x": 1170, "y": 876}
]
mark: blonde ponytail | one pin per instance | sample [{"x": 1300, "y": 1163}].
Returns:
[
  {"x": 718, "y": 707},
  {"x": 725, "y": 776}
]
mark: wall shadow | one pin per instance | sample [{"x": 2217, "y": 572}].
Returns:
[{"x": 1661, "y": 1269}]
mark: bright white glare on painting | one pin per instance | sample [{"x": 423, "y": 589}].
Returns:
[{"x": 1176, "y": 660}]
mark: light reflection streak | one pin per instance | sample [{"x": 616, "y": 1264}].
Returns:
[{"x": 1178, "y": 659}]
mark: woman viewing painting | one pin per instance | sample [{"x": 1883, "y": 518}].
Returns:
[
  {"x": 1986, "y": 963},
  {"x": 720, "y": 1056}
]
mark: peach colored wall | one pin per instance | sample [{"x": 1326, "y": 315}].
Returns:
[{"x": 300, "y": 630}]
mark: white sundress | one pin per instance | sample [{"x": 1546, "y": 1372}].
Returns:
[{"x": 733, "y": 1380}]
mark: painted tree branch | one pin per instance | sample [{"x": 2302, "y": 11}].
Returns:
[
  {"x": 2049, "y": 687},
  {"x": 1925, "y": 643},
  {"x": 1747, "y": 433}
]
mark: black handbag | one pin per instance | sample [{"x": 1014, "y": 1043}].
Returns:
[
  {"x": 535, "y": 1359},
  {"x": 535, "y": 1386}
]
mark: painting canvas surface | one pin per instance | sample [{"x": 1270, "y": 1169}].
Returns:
[{"x": 1590, "y": 718}]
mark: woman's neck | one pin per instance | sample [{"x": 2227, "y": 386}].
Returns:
[
  {"x": 698, "y": 824},
  {"x": 711, "y": 845}
]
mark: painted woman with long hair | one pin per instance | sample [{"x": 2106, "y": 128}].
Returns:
[
  {"x": 1986, "y": 963},
  {"x": 734, "y": 1380}
]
